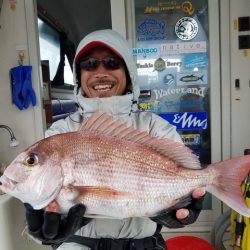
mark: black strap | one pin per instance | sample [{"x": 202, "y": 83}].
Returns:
[{"x": 155, "y": 242}]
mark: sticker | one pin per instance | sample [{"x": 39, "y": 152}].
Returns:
[
  {"x": 159, "y": 93},
  {"x": 151, "y": 29},
  {"x": 187, "y": 47},
  {"x": 144, "y": 65},
  {"x": 186, "y": 104},
  {"x": 195, "y": 61},
  {"x": 176, "y": 63},
  {"x": 191, "y": 139},
  {"x": 143, "y": 51},
  {"x": 170, "y": 6},
  {"x": 194, "y": 77},
  {"x": 186, "y": 28},
  {"x": 159, "y": 64},
  {"x": 145, "y": 94},
  {"x": 151, "y": 105},
  {"x": 187, "y": 120},
  {"x": 169, "y": 79}
]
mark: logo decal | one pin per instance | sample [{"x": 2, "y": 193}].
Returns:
[
  {"x": 168, "y": 79},
  {"x": 195, "y": 61},
  {"x": 159, "y": 64},
  {"x": 187, "y": 120},
  {"x": 159, "y": 93},
  {"x": 186, "y": 28},
  {"x": 151, "y": 29},
  {"x": 187, "y": 47},
  {"x": 191, "y": 78},
  {"x": 143, "y": 51},
  {"x": 191, "y": 139}
]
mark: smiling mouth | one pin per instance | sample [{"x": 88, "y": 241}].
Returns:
[{"x": 103, "y": 87}]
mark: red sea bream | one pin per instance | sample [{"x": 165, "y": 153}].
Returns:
[{"x": 118, "y": 171}]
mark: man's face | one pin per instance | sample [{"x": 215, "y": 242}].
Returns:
[{"x": 103, "y": 82}]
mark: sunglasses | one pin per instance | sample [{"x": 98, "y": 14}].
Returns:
[{"x": 110, "y": 63}]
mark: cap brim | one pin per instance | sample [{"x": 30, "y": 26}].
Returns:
[{"x": 94, "y": 44}]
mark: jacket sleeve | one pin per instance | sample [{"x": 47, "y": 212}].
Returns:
[{"x": 69, "y": 124}]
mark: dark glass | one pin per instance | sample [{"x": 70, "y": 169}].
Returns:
[{"x": 110, "y": 63}]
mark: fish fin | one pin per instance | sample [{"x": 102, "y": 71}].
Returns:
[
  {"x": 101, "y": 191},
  {"x": 227, "y": 185},
  {"x": 103, "y": 123}
]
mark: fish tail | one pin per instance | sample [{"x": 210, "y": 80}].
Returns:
[{"x": 227, "y": 185}]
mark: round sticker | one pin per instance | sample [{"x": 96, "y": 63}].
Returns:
[
  {"x": 186, "y": 28},
  {"x": 168, "y": 79},
  {"x": 159, "y": 64}
]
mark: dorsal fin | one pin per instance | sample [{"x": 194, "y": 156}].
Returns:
[{"x": 103, "y": 123}]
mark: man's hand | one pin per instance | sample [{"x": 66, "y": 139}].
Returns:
[
  {"x": 184, "y": 216},
  {"x": 50, "y": 227}
]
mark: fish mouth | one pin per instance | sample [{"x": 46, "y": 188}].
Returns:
[{"x": 6, "y": 183}]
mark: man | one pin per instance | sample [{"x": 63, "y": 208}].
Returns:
[{"x": 105, "y": 77}]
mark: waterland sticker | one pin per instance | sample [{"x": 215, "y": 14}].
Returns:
[{"x": 159, "y": 93}]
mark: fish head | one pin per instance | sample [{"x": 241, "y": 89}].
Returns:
[{"x": 35, "y": 175}]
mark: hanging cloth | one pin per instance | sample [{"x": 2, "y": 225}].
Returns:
[{"x": 21, "y": 87}]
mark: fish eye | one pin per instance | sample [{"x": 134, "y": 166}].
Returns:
[{"x": 31, "y": 160}]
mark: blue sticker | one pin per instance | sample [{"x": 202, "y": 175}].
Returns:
[
  {"x": 151, "y": 29},
  {"x": 143, "y": 51},
  {"x": 191, "y": 78},
  {"x": 169, "y": 79},
  {"x": 187, "y": 120},
  {"x": 192, "y": 61}
]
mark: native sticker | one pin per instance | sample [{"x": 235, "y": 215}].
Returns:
[
  {"x": 159, "y": 64},
  {"x": 186, "y": 28}
]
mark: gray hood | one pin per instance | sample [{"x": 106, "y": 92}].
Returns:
[{"x": 118, "y": 45}]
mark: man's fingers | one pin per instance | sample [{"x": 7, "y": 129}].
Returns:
[
  {"x": 52, "y": 207},
  {"x": 182, "y": 213},
  {"x": 198, "y": 193}
]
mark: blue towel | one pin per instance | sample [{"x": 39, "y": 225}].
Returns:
[{"x": 21, "y": 86}]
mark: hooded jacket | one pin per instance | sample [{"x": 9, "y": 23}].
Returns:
[{"x": 125, "y": 108}]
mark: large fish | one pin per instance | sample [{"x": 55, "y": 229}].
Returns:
[{"x": 118, "y": 171}]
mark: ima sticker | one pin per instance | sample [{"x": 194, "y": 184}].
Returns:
[{"x": 186, "y": 28}]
